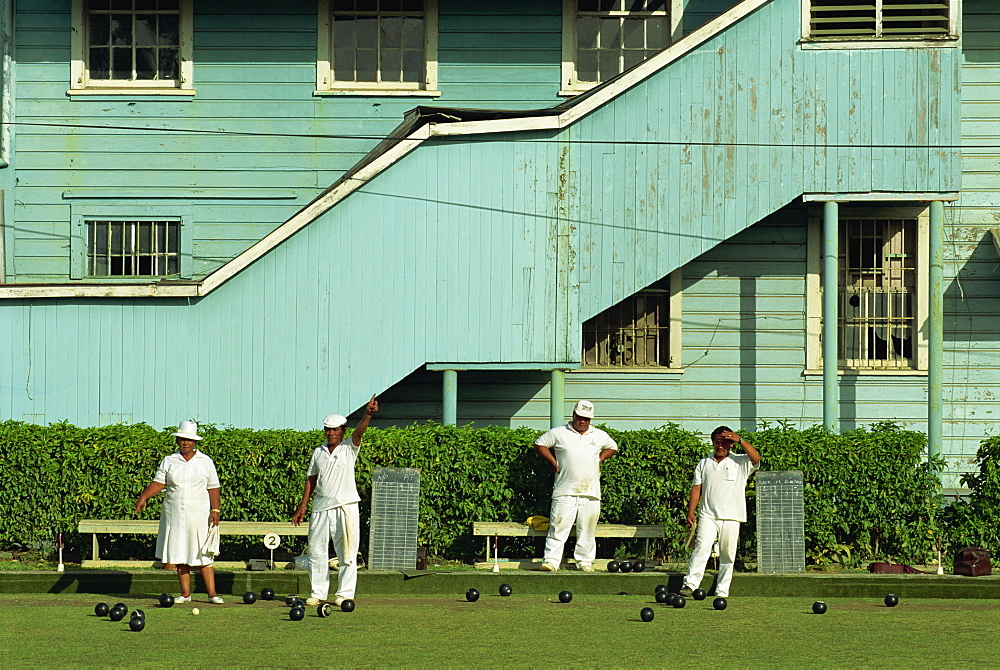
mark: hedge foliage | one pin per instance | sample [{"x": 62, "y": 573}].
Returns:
[{"x": 869, "y": 493}]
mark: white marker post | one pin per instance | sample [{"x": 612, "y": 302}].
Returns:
[
  {"x": 272, "y": 541},
  {"x": 61, "y": 568}
]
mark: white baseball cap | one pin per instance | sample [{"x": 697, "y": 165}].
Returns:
[
  {"x": 188, "y": 430},
  {"x": 334, "y": 421},
  {"x": 584, "y": 408}
]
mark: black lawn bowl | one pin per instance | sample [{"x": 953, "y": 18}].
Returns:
[
  {"x": 249, "y": 598},
  {"x": 891, "y": 600},
  {"x": 166, "y": 600},
  {"x": 102, "y": 609},
  {"x": 625, "y": 566},
  {"x": 565, "y": 596},
  {"x": 296, "y": 613},
  {"x": 506, "y": 590},
  {"x": 121, "y": 605},
  {"x": 661, "y": 587},
  {"x": 671, "y": 597},
  {"x": 662, "y": 597},
  {"x": 137, "y": 623},
  {"x": 613, "y": 566},
  {"x": 819, "y": 607},
  {"x": 323, "y": 610},
  {"x": 646, "y": 614},
  {"x": 116, "y": 613},
  {"x": 699, "y": 594},
  {"x": 267, "y": 594},
  {"x": 290, "y": 600},
  {"x": 679, "y": 602},
  {"x": 138, "y": 613},
  {"x": 299, "y": 602},
  {"x": 472, "y": 595},
  {"x": 347, "y": 606},
  {"x": 719, "y": 603},
  {"x": 638, "y": 566}
]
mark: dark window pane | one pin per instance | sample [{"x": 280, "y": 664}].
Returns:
[
  {"x": 145, "y": 30},
  {"x": 99, "y": 4},
  {"x": 161, "y": 237},
  {"x": 170, "y": 4},
  {"x": 657, "y": 35},
  {"x": 608, "y": 65},
  {"x": 413, "y": 66},
  {"x": 120, "y": 4},
  {"x": 610, "y": 34},
  {"x": 343, "y": 32},
  {"x": 367, "y": 5},
  {"x": 170, "y": 66},
  {"x": 145, "y": 64},
  {"x": 391, "y": 64},
  {"x": 169, "y": 30},
  {"x": 121, "y": 63},
  {"x": 367, "y": 63},
  {"x": 413, "y": 33},
  {"x": 100, "y": 63},
  {"x": 635, "y": 5},
  {"x": 172, "y": 263},
  {"x": 341, "y": 5},
  {"x": 631, "y": 58},
  {"x": 413, "y": 5},
  {"x": 632, "y": 34},
  {"x": 391, "y": 32},
  {"x": 117, "y": 231},
  {"x": 145, "y": 5},
  {"x": 121, "y": 29},
  {"x": 343, "y": 65},
  {"x": 173, "y": 239},
  {"x": 145, "y": 244},
  {"x": 389, "y": 5},
  {"x": 587, "y": 6},
  {"x": 100, "y": 29},
  {"x": 143, "y": 265},
  {"x": 586, "y": 65},
  {"x": 608, "y": 5},
  {"x": 586, "y": 32},
  {"x": 367, "y": 31}
]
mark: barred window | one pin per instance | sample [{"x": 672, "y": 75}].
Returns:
[
  {"x": 632, "y": 334},
  {"x": 133, "y": 248},
  {"x": 880, "y": 19},
  {"x": 611, "y": 36},
  {"x": 878, "y": 282}
]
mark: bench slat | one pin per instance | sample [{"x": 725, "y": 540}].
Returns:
[
  {"x": 146, "y": 527},
  {"x": 514, "y": 529}
]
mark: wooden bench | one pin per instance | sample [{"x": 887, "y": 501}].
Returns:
[
  {"x": 143, "y": 527},
  {"x": 496, "y": 529}
]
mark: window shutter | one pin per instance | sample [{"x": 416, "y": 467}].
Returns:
[{"x": 879, "y": 18}]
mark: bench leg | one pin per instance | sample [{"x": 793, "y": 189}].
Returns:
[
  {"x": 95, "y": 551},
  {"x": 487, "y": 548}
]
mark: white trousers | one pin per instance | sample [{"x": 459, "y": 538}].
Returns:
[
  {"x": 727, "y": 532},
  {"x": 342, "y": 525},
  {"x": 567, "y": 510}
]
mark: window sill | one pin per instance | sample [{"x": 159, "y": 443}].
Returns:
[
  {"x": 949, "y": 42},
  {"x": 372, "y": 92},
  {"x": 630, "y": 371},
  {"x": 868, "y": 373},
  {"x": 573, "y": 92},
  {"x": 138, "y": 92}
]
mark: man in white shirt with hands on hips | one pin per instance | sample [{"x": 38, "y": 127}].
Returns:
[
  {"x": 331, "y": 484},
  {"x": 575, "y": 452},
  {"x": 719, "y": 484}
]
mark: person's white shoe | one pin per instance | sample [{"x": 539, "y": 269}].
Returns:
[
  {"x": 312, "y": 601},
  {"x": 547, "y": 567},
  {"x": 216, "y": 600},
  {"x": 586, "y": 567},
  {"x": 182, "y": 599},
  {"x": 339, "y": 600}
]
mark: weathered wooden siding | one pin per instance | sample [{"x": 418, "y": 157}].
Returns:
[{"x": 255, "y": 71}]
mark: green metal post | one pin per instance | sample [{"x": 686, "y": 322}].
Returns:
[
  {"x": 449, "y": 398},
  {"x": 831, "y": 294},
  {"x": 557, "y": 398},
  {"x": 935, "y": 330}
]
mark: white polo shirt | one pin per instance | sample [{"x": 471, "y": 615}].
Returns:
[
  {"x": 579, "y": 459},
  {"x": 723, "y": 486},
  {"x": 335, "y": 484}
]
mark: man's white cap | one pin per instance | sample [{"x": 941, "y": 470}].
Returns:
[
  {"x": 334, "y": 421},
  {"x": 584, "y": 408},
  {"x": 187, "y": 429}
]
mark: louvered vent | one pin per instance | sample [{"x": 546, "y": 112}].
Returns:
[{"x": 879, "y": 18}]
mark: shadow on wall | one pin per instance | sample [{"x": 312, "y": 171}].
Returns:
[{"x": 972, "y": 298}]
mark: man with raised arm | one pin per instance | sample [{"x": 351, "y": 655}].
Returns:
[
  {"x": 330, "y": 482},
  {"x": 719, "y": 484}
]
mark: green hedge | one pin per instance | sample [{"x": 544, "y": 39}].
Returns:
[{"x": 869, "y": 493}]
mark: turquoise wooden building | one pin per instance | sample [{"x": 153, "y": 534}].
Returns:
[{"x": 697, "y": 211}]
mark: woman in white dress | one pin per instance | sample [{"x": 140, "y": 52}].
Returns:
[{"x": 189, "y": 525}]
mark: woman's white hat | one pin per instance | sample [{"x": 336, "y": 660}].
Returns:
[{"x": 187, "y": 429}]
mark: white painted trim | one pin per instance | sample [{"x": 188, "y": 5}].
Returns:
[
  {"x": 379, "y": 92},
  {"x": 853, "y": 372},
  {"x": 676, "y": 334},
  {"x": 995, "y": 232},
  {"x": 880, "y": 196},
  {"x": 814, "y": 292},
  {"x": 99, "y": 291},
  {"x": 134, "y": 91},
  {"x": 950, "y": 42},
  {"x": 495, "y": 126}
]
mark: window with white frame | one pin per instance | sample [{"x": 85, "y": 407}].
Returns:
[
  {"x": 642, "y": 331},
  {"x": 603, "y": 38},
  {"x": 133, "y": 248},
  {"x": 881, "y": 291},
  {"x": 881, "y": 19},
  {"x": 130, "y": 45},
  {"x": 372, "y": 46}
]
